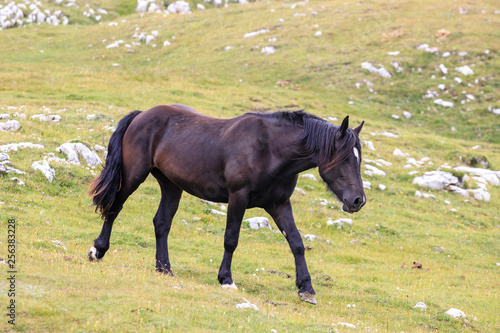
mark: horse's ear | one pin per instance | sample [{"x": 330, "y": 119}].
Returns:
[
  {"x": 358, "y": 129},
  {"x": 344, "y": 126}
]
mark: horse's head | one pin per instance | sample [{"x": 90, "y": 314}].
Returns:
[{"x": 343, "y": 172}]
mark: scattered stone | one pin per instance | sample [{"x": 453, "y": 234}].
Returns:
[
  {"x": 398, "y": 152},
  {"x": 407, "y": 114},
  {"x": 179, "y": 7},
  {"x": 268, "y": 50},
  {"x": 309, "y": 176},
  {"x": 380, "y": 71},
  {"x": 441, "y": 102},
  {"x": 258, "y": 222},
  {"x": 310, "y": 237},
  {"x": 339, "y": 222},
  {"x": 478, "y": 194},
  {"x": 45, "y": 168},
  {"x": 247, "y": 305},
  {"x": 370, "y": 145},
  {"x": 492, "y": 177},
  {"x": 255, "y": 33},
  {"x": 394, "y": 53},
  {"x": 347, "y": 325},
  {"x": 216, "y": 212},
  {"x": 16, "y": 146},
  {"x": 4, "y": 116},
  {"x": 436, "y": 180},
  {"x": 439, "y": 249},
  {"x": 4, "y": 156},
  {"x": 300, "y": 191},
  {"x": 367, "y": 185},
  {"x": 9, "y": 126},
  {"x": 419, "y": 195},
  {"x": 465, "y": 70},
  {"x": 373, "y": 171},
  {"x": 420, "y": 305},
  {"x": 55, "y": 118},
  {"x": 72, "y": 150},
  {"x": 443, "y": 69},
  {"x": 382, "y": 187},
  {"x": 455, "y": 313}
]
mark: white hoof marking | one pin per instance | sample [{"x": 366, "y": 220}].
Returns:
[
  {"x": 93, "y": 253},
  {"x": 229, "y": 286}
]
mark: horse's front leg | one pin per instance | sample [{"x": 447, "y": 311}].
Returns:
[
  {"x": 283, "y": 217},
  {"x": 236, "y": 209}
]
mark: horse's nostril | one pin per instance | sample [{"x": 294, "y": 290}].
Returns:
[{"x": 358, "y": 202}]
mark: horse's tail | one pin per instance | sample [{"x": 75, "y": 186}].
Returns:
[{"x": 105, "y": 187}]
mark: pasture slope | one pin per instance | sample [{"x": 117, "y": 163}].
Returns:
[{"x": 319, "y": 47}]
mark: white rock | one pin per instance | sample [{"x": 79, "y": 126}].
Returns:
[
  {"x": 389, "y": 134},
  {"x": 394, "y": 53},
  {"x": 4, "y": 156},
  {"x": 435, "y": 180},
  {"x": 380, "y": 71},
  {"x": 446, "y": 54},
  {"x": 347, "y": 325},
  {"x": 200, "y": 7},
  {"x": 309, "y": 176},
  {"x": 458, "y": 80},
  {"x": 367, "y": 185},
  {"x": 166, "y": 43},
  {"x": 255, "y": 33},
  {"x": 339, "y": 222},
  {"x": 16, "y": 146},
  {"x": 268, "y": 50},
  {"x": 216, "y": 212},
  {"x": 383, "y": 162},
  {"x": 443, "y": 69},
  {"x": 310, "y": 237},
  {"x": 407, "y": 114},
  {"x": 142, "y": 6},
  {"x": 247, "y": 305},
  {"x": 317, "y": 33},
  {"x": 45, "y": 168},
  {"x": 441, "y": 86},
  {"x": 419, "y": 195},
  {"x": 492, "y": 177},
  {"x": 374, "y": 170},
  {"x": 398, "y": 152},
  {"x": 9, "y": 126},
  {"x": 179, "y": 7},
  {"x": 465, "y": 70},
  {"x": 149, "y": 39},
  {"x": 420, "y": 305},
  {"x": 423, "y": 47},
  {"x": 300, "y": 191},
  {"x": 395, "y": 116},
  {"x": 443, "y": 103},
  {"x": 370, "y": 145},
  {"x": 478, "y": 194},
  {"x": 258, "y": 222},
  {"x": 455, "y": 313},
  {"x": 72, "y": 150},
  {"x": 4, "y": 116},
  {"x": 382, "y": 187}
]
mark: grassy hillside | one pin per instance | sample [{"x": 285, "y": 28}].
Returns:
[{"x": 209, "y": 65}]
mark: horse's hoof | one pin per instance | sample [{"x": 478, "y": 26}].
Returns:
[
  {"x": 308, "y": 297},
  {"x": 231, "y": 286},
  {"x": 93, "y": 254},
  {"x": 165, "y": 271}
]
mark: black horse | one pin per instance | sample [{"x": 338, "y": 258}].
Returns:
[{"x": 249, "y": 161}]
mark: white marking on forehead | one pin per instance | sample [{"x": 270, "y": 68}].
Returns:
[{"x": 356, "y": 153}]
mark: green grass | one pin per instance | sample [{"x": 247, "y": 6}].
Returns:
[{"x": 60, "y": 290}]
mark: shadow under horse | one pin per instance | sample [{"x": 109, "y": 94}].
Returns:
[{"x": 249, "y": 161}]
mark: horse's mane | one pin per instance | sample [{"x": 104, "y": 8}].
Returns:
[{"x": 319, "y": 137}]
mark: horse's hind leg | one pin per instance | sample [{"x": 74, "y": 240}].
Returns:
[
  {"x": 131, "y": 179},
  {"x": 170, "y": 197}
]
